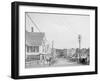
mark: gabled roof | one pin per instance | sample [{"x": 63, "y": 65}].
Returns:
[{"x": 34, "y": 38}]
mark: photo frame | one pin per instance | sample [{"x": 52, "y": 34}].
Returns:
[{"x": 52, "y": 40}]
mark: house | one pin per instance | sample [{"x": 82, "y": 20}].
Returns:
[{"x": 36, "y": 46}]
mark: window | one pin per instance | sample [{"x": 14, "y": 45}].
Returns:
[
  {"x": 36, "y": 48},
  {"x": 27, "y": 48},
  {"x": 32, "y": 48}
]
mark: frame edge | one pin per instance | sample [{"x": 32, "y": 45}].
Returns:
[{"x": 15, "y": 40}]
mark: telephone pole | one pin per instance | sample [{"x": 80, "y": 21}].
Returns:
[
  {"x": 79, "y": 40},
  {"x": 53, "y": 48}
]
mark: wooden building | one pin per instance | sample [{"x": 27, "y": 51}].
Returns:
[{"x": 36, "y": 46}]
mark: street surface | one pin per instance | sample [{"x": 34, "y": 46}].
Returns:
[{"x": 58, "y": 62}]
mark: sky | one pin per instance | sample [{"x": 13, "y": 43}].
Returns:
[{"x": 63, "y": 29}]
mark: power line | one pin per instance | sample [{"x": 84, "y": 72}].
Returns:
[{"x": 33, "y": 22}]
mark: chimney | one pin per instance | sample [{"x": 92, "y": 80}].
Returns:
[{"x": 32, "y": 29}]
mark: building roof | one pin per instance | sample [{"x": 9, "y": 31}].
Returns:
[{"x": 34, "y": 38}]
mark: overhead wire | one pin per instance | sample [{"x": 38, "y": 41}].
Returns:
[{"x": 33, "y": 22}]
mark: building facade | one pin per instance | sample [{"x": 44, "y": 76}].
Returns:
[{"x": 36, "y": 46}]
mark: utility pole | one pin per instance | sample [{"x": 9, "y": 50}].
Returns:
[
  {"x": 79, "y": 40},
  {"x": 53, "y": 49},
  {"x": 52, "y": 46}
]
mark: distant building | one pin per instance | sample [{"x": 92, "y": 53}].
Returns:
[
  {"x": 71, "y": 52},
  {"x": 65, "y": 52},
  {"x": 84, "y": 53},
  {"x": 59, "y": 52}
]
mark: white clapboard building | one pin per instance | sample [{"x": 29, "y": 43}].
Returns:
[{"x": 36, "y": 45}]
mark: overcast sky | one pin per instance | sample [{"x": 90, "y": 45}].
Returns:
[{"x": 62, "y": 29}]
